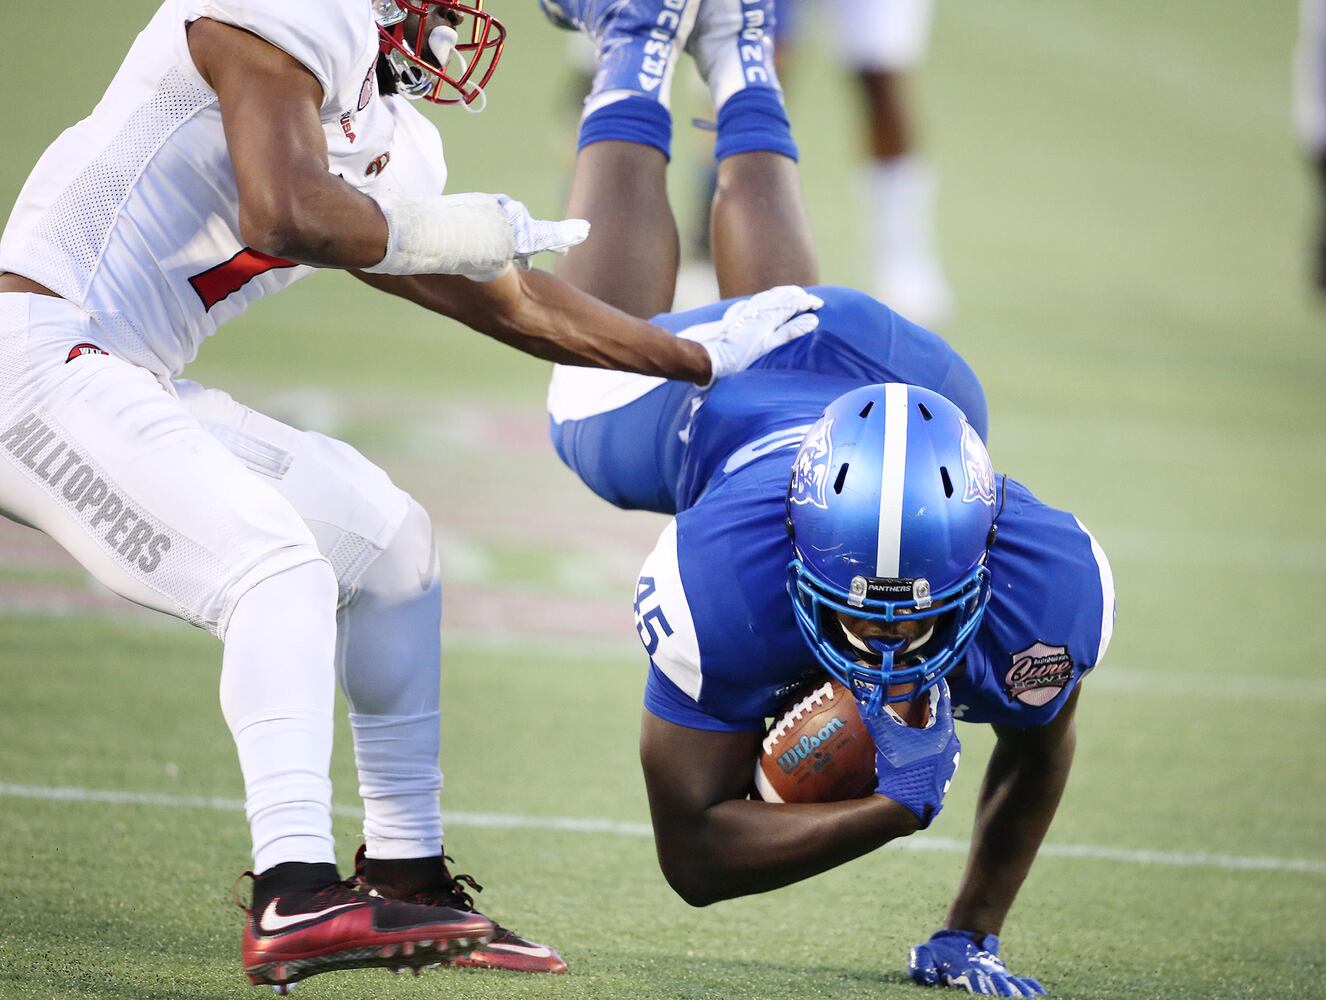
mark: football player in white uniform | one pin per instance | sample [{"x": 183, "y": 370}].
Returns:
[
  {"x": 882, "y": 42},
  {"x": 242, "y": 144}
]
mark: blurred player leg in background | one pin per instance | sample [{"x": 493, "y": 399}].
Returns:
[
  {"x": 625, "y": 144},
  {"x": 1310, "y": 114},
  {"x": 882, "y": 41}
]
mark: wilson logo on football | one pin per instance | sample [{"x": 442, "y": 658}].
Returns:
[
  {"x": 805, "y": 748},
  {"x": 80, "y": 350}
]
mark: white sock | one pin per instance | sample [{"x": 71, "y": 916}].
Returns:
[
  {"x": 901, "y": 198},
  {"x": 277, "y": 692},
  {"x": 388, "y": 663},
  {"x": 900, "y": 194}
]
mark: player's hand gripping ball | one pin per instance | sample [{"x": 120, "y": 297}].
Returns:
[{"x": 818, "y": 750}]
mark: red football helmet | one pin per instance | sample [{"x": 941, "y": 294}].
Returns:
[{"x": 427, "y": 55}]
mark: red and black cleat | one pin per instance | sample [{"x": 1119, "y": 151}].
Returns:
[
  {"x": 428, "y": 882},
  {"x": 303, "y": 932}
]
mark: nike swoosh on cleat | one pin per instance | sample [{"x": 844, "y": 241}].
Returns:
[
  {"x": 542, "y": 951},
  {"x": 271, "y": 921}
]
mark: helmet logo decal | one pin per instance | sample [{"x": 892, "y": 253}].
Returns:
[
  {"x": 810, "y": 470},
  {"x": 1039, "y": 673},
  {"x": 977, "y": 469}
]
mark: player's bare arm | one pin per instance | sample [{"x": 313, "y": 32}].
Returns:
[
  {"x": 714, "y": 842},
  {"x": 1024, "y": 781},
  {"x": 548, "y": 318},
  {"x": 290, "y": 206},
  {"x": 542, "y": 315}
]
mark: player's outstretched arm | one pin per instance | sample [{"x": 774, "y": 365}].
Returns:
[
  {"x": 1020, "y": 793},
  {"x": 542, "y": 315},
  {"x": 714, "y": 843}
]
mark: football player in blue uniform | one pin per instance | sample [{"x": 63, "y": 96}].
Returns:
[{"x": 834, "y": 509}]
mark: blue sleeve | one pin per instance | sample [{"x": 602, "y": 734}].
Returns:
[
  {"x": 1049, "y": 621},
  {"x": 667, "y": 701},
  {"x": 678, "y": 321},
  {"x": 861, "y": 339}
]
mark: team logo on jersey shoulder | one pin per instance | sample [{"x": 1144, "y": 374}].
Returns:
[
  {"x": 810, "y": 469},
  {"x": 348, "y": 126},
  {"x": 977, "y": 469},
  {"x": 79, "y": 350},
  {"x": 1039, "y": 673}
]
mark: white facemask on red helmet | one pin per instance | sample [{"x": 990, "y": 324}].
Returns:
[{"x": 442, "y": 51}]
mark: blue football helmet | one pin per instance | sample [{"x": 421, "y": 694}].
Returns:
[{"x": 891, "y": 508}]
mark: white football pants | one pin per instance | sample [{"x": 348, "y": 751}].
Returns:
[
  {"x": 872, "y": 35},
  {"x": 184, "y": 501}
]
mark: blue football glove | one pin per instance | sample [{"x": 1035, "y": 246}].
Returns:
[
  {"x": 914, "y": 767},
  {"x": 952, "y": 958}
]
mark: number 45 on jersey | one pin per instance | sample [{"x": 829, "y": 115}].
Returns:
[{"x": 649, "y": 621}]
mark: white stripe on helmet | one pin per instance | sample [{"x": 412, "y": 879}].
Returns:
[{"x": 889, "y": 554}]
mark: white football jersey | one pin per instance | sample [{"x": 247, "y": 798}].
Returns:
[{"x": 133, "y": 213}]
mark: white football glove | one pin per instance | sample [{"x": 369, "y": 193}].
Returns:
[
  {"x": 534, "y": 236},
  {"x": 752, "y": 328},
  {"x": 475, "y": 235}
]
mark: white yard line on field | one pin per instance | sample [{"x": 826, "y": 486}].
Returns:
[{"x": 575, "y": 824}]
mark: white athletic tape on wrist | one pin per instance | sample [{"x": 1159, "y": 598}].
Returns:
[{"x": 466, "y": 234}]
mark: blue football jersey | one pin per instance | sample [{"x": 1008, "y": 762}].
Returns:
[
  {"x": 712, "y": 606},
  {"x": 661, "y": 450},
  {"x": 713, "y": 611}
]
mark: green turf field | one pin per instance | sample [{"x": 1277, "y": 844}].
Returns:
[{"x": 1124, "y": 214}]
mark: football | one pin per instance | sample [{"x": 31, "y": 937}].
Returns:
[{"x": 817, "y": 750}]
